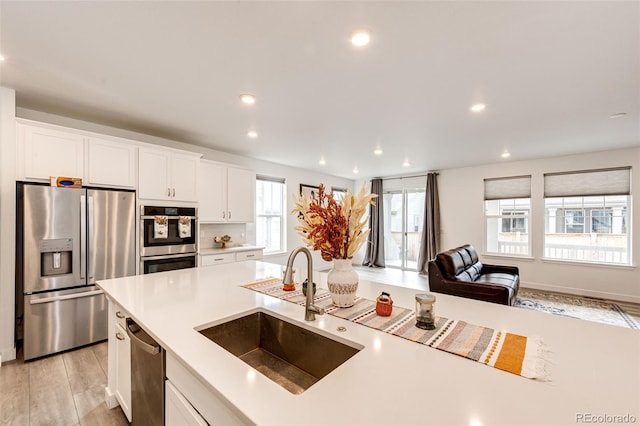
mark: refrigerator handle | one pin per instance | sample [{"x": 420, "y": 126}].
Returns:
[
  {"x": 83, "y": 236},
  {"x": 66, "y": 297},
  {"x": 90, "y": 264}
]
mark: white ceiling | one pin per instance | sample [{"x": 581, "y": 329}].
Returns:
[{"x": 550, "y": 72}]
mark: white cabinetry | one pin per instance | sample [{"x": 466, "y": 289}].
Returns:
[
  {"x": 120, "y": 358},
  {"x": 168, "y": 175},
  {"x": 178, "y": 411},
  {"x": 111, "y": 163},
  {"x": 214, "y": 409},
  {"x": 217, "y": 259},
  {"x": 237, "y": 256},
  {"x": 45, "y": 152},
  {"x": 226, "y": 193}
]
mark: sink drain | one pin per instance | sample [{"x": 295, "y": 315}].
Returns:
[{"x": 341, "y": 329}]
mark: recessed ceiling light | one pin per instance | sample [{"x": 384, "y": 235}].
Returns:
[
  {"x": 505, "y": 154},
  {"x": 355, "y": 170},
  {"x": 322, "y": 161},
  {"x": 618, "y": 115},
  {"x": 478, "y": 107},
  {"x": 360, "y": 38},
  {"x": 252, "y": 134},
  {"x": 248, "y": 99},
  {"x": 377, "y": 151},
  {"x": 406, "y": 163}
]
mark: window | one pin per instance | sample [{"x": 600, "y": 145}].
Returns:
[
  {"x": 586, "y": 216},
  {"x": 403, "y": 218},
  {"x": 270, "y": 218},
  {"x": 507, "y": 206},
  {"x": 573, "y": 221}
]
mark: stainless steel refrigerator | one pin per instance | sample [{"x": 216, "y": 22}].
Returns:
[{"x": 67, "y": 239}]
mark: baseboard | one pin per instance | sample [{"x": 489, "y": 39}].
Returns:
[
  {"x": 110, "y": 398},
  {"x": 7, "y": 355},
  {"x": 581, "y": 292}
]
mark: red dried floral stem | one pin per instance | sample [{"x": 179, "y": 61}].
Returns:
[{"x": 330, "y": 236}]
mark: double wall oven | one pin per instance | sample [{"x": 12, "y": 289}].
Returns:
[{"x": 168, "y": 238}]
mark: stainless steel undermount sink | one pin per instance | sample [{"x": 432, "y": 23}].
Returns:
[{"x": 290, "y": 355}]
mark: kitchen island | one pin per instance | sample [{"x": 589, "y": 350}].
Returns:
[{"x": 594, "y": 375}]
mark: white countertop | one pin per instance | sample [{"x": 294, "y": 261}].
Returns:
[
  {"x": 392, "y": 381},
  {"x": 234, "y": 249}
]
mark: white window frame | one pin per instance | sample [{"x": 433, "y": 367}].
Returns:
[
  {"x": 510, "y": 190},
  {"x": 282, "y": 216},
  {"x": 575, "y": 191}
]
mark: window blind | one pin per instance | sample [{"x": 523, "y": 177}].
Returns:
[
  {"x": 507, "y": 187},
  {"x": 270, "y": 179},
  {"x": 615, "y": 181}
]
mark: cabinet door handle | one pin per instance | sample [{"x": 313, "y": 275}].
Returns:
[
  {"x": 250, "y": 255},
  {"x": 224, "y": 215},
  {"x": 229, "y": 214},
  {"x": 174, "y": 192},
  {"x": 119, "y": 314},
  {"x": 168, "y": 192},
  {"x": 119, "y": 336},
  {"x": 218, "y": 259}
]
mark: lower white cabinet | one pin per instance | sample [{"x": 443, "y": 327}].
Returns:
[
  {"x": 123, "y": 369},
  {"x": 220, "y": 258},
  {"x": 217, "y": 259},
  {"x": 213, "y": 408},
  {"x": 177, "y": 410}
]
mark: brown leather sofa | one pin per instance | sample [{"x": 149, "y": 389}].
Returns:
[{"x": 459, "y": 272}]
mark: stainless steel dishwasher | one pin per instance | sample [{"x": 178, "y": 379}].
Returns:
[{"x": 147, "y": 377}]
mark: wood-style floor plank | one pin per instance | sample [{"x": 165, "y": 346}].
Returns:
[
  {"x": 101, "y": 351},
  {"x": 14, "y": 394},
  {"x": 50, "y": 402},
  {"x": 93, "y": 411},
  {"x": 83, "y": 370}
]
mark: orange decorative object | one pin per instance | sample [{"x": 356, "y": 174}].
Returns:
[
  {"x": 384, "y": 305},
  {"x": 289, "y": 287}
]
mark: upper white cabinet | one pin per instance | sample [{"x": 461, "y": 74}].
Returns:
[
  {"x": 167, "y": 175},
  {"x": 46, "y": 152},
  {"x": 241, "y": 190},
  {"x": 226, "y": 193},
  {"x": 111, "y": 163},
  {"x": 213, "y": 205}
]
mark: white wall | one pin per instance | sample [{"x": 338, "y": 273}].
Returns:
[
  {"x": 461, "y": 203},
  {"x": 7, "y": 222}
]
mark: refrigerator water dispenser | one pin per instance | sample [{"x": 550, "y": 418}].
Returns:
[{"x": 55, "y": 256}]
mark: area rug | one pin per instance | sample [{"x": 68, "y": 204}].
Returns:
[{"x": 585, "y": 308}]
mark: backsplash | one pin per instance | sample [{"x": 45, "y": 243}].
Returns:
[{"x": 241, "y": 233}]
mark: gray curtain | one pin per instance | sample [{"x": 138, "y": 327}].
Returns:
[
  {"x": 430, "y": 245},
  {"x": 375, "y": 243}
]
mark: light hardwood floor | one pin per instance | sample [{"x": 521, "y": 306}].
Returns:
[{"x": 64, "y": 389}]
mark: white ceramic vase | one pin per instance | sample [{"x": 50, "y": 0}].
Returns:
[{"x": 343, "y": 283}]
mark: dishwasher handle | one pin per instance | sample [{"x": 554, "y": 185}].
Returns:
[{"x": 141, "y": 339}]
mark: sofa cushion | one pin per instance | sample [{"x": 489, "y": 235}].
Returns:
[
  {"x": 499, "y": 278},
  {"x": 451, "y": 263},
  {"x": 466, "y": 257},
  {"x": 472, "y": 252}
]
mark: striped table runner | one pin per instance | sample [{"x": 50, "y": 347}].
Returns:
[{"x": 506, "y": 351}]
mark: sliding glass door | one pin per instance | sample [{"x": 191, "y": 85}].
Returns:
[{"x": 403, "y": 219}]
